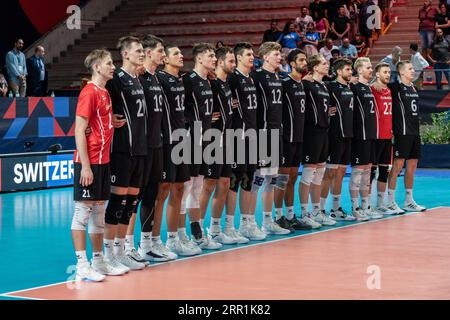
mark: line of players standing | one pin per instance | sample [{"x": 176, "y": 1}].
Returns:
[{"x": 126, "y": 134}]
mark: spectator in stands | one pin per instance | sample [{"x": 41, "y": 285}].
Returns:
[
  {"x": 348, "y": 50},
  {"x": 317, "y": 9},
  {"x": 340, "y": 26},
  {"x": 285, "y": 68},
  {"x": 360, "y": 45},
  {"x": 331, "y": 71},
  {"x": 440, "y": 57},
  {"x": 427, "y": 23},
  {"x": 443, "y": 21},
  {"x": 304, "y": 18},
  {"x": 272, "y": 34},
  {"x": 37, "y": 74},
  {"x": 419, "y": 63},
  {"x": 392, "y": 59},
  {"x": 3, "y": 86},
  {"x": 322, "y": 27},
  {"x": 352, "y": 12},
  {"x": 219, "y": 44},
  {"x": 311, "y": 40},
  {"x": 289, "y": 39},
  {"x": 17, "y": 69},
  {"x": 332, "y": 8},
  {"x": 326, "y": 51}
]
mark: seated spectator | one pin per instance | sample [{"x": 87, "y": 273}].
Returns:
[
  {"x": 392, "y": 59},
  {"x": 285, "y": 68},
  {"x": 419, "y": 63},
  {"x": 289, "y": 39},
  {"x": 443, "y": 21},
  {"x": 440, "y": 57},
  {"x": 311, "y": 40},
  {"x": 322, "y": 27},
  {"x": 326, "y": 51},
  {"x": 427, "y": 23},
  {"x": 317, "y": 9},
  {"x": 360, "y": 45},
  {"x": 3, "y": 86},
  {"x": 272, "y": 34},
  {"x": 340, "y": 27},
  {"x": 348, "y": 50},
  {"x": 304, "y": 18}
]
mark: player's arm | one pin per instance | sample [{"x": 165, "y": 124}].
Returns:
[
  {"x": 232, "y": 81},
  {"x": 118, "y": 119}
]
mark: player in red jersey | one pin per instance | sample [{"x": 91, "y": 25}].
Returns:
[
  {"x": 383, "y": 144},
  {"x": 92, "y": 173}
]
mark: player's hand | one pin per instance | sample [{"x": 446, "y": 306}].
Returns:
[
  {"x": 87, "y": 177},
  {"x": 88, "y": 131},
  {"x": 118, "y": 121},
  {"x": 215, "y": 116},
  {"x": 235, "y": 103},
  {"x": 332, "y": 111}
]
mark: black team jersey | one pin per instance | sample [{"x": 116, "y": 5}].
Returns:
[
  {"x": 364, "y": 116},
  {"x": 294, "y": 105},
  {"x": 405, "y": 109},
  {"x": 317, "y": 104},
  {"x": 270, "y": 99},
  {"x": 341, "y": 122},
  {"x": 244, "y": 90},
  {"x": 128, "y": 99},
  {"x": 199, "y": 100},
  {"x": 223, "y": 104},
  {"x": 155, "y": 104},
  {"x": 173, "y": 115}
]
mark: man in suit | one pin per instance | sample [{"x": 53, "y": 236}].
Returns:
[{"x": 37, "y": 74}]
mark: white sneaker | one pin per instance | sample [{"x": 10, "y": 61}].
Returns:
[
  {"x": 127, "y": 261},
  {"x": 413, "y": 207},
  {"x": 273, "y": 228},
  {"x": 323, "y": 219},
  {"x": 252, "y": 232},
  {"x": 359, "y": 214},
  {"x": 308, "y": 220},
  {"x": 395, "y": 208},
  {"x": 223, "y": 238},
  {"x": 340, "y": 215},
  {"x": 385, "y": 211},
  {"x": 158, "y": 252},
  {"x": 207, "y": 243},
  {"x": 134, "y": 254},
  {"x": 105, "y": 268},
  {"x": 86, "y": 273},
  {"x": 181, "y": 247},
  {"x": 116, "y": 264},
  {"x": 372, "y": 214},
  {"x": 185, "y": 240},
  {"x": 236, "y": 235}
]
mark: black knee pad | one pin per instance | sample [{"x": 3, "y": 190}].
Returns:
[
  {"x": 129, "y": 209},
  {"x": 383, "y": 173},
  {"x": 115, "y": 208},
  {"x": 235, "y": 179},
  {"x": 373, "y": 172}
]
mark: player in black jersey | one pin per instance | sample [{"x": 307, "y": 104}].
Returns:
[
  {"x": 363, "y": 142},
  {"x": 405, "y": 117},
  {"x": 339, "y": 136},
  {"x": 315, "y": 145},
  {"x": 294, "y": 104},
  {"x": 129, "y": 148},
  {"x": 244, "y": 118},
  {"x": 269, "y": 122},
  {"x": 198, "y": 112}
]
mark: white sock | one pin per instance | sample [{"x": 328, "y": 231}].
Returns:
[
  {"x": 304, "y": 209},
  {"x": 278, "y": 213},
  {"x": 172, "y": 235},
  {"x": 355, "y": 203},
  {"x": 380, "y": 199},
  {"x": 81, "y": 256},
  {"x": 316, "y": 208},
  {"x": 251, "y": 218},
  {"x": 323, "y": 203},
  {"x": 336, "y": 201},
  {"x": 146, "y": 239},
  {"x": 182, "y": 233},
  {"x": 290, "y": 213},
  {"x": 215, "y": 226},
  {"x": 109, "y": 248},
  {"x": 391, "y": 196},
  {"x": 119, "y": 246},
  {"x": 245, "y": 218},
  {"x": 201, "y": 221},
  {"x": 156, "y": 239},
  {"x": 409, "y": 196},
  {"x": 129, "y": 242},
  {"x": 229, "y": 221},
  {"x": 364, "y": 203},
  {"x": 97, "y": 256},
  {"x": 267, "y": 217}
]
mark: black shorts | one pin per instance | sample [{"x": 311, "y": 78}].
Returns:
[
  {"x": 339, "y": 150},
  {"x": 315, "y": 146},
  {"x": 407, "y": 147},
  {"x": 249, "y": 162},
  {"x": 153, "y": 166},
  {"x": 383, "y": 151},
  {"x": 173, "y": 173},
  {"x": 127, "y": 171},
  {"x": 243, "y": 179},
  {"x": 100, "y": 188},
  {"x": 274, "y": 159},
  {"x": 292, "y": 154},
  {"x": 216, "y": 171},
  {"x": 363, "y": 152}
]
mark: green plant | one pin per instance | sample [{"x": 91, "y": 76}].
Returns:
[{"x": 439, "y": 131}]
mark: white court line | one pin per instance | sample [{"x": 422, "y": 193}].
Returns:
[
  {"x": 20, "y": 297},
  {"x": 12, "y": 293}
]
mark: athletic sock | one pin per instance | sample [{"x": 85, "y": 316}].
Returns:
[
  {"x": 364, "y": 203},
  {"x": 129, "y": 242},
  {"x": 156, "y": 239},
  {"x": 323, "y": 202},
  {"x": 267, "y": 217},
  {"x": 81, "y": 256},
  {"x": 146, "y": 239},
  {"x": 316, "y": 208},
  {"x": 97, "y": 256},
  {"x": 380, "y": 199},
  {"x": 229, "y": 221},
  {"x": 304, "y": 208},
  {"x": 245, "y": 219},
  {"x": 391, "y": 196},
  {"x": 355, "y": 203},
  {"x": 119, "y": 245},
  {"x": 172, "y": 235},
  {"x": 182, "y": 233},
  {"x": 215, "y": 226},
  {"x": 109, "y": 248},
  {"x": 409, "y": 196},
  {"x": 278, "y": 213},
  {"x": 290, "y": 213},
  {"x": 336, "y": 202}
]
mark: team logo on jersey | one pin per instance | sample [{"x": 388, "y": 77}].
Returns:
[
  {"x": 200, "y": 84},
  {"x": 243, "y": 81}
]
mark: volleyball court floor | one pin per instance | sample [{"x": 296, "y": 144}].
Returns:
[{"x": 400, "y": 257}]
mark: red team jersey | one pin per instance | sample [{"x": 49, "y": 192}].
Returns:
[
  {"x": 94, "y": 103},
  {"x": 383, "y": 102}
]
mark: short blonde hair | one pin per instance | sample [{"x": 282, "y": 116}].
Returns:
[
  {"x": 268, "y": 47},
  {"x": 359, "y": 62},
  {"x": 95, "y": 56}
]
